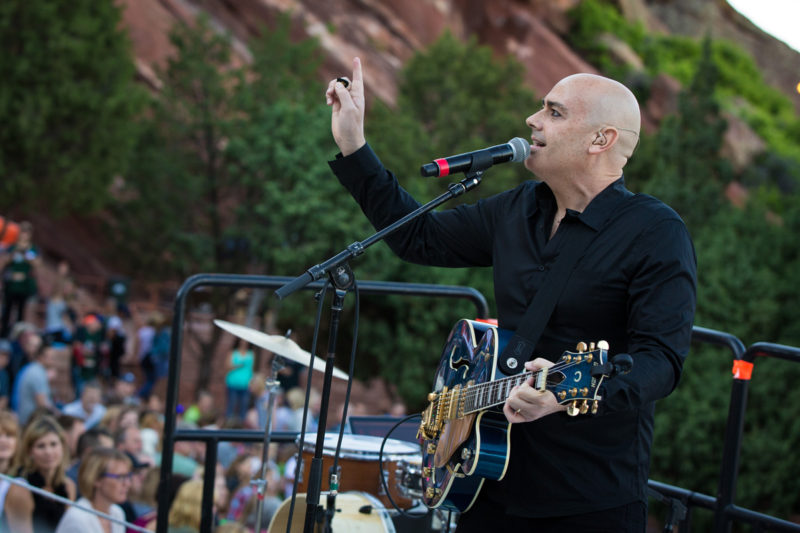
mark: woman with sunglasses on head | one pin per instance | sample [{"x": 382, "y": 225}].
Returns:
[
  {"x": 104, "y": 479},
  {"x": 42, "y": 459}
]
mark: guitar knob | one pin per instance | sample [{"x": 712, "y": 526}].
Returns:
[
  {"x": 466, "y": 453},
  {"x": 432, "y": 492},
  {"x": 427, "y": 471},
  {"x": 573, "y": 409},
  {"x": 431, "y": 448}
]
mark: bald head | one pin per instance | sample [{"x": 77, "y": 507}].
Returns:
[{"x": 607, "y": 102}]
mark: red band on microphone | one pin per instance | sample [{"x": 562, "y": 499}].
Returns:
[
  {"x": 742, "y": 369},
  {"x": 444, "y": 168}
]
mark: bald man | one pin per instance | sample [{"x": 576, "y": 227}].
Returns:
[{"x": 634, "y": 286}]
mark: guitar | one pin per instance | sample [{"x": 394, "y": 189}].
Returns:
[{"x": 461, "y": 445}]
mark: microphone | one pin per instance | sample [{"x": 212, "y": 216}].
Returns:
[{"x": 515, "y": 150}]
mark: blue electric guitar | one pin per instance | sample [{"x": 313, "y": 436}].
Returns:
[{"x": 462, "y": 442}]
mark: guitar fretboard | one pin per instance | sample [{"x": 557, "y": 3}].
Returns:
[{"x": 484, "y": 395}]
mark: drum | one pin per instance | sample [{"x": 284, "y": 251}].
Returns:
[
  {"x": 409, "y": 479},
  {"x": 356, "y": 512},
  {"x": 358, "y": 464}
]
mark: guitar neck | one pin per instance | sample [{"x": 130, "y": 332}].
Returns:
[{"x": 492, "y": 393}]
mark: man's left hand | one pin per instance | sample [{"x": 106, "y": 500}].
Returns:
[{"x": 525, "y": 403}]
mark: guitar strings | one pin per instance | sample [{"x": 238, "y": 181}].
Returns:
[{"x": 489, "y": 389}]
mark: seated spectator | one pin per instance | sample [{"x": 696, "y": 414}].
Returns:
[
  {"x": 9, "y": 435},
  {"x": 73, "y": 428},
  {"x": 42, "y": 458},
  {"x": 151, "y": 428},
  {"x": 203, "y": 409},
  {"x": 25, "y": 343},
  {"x": 88, "y": 407},
  {"x": 104, "y": 480},
  {"x": 97, "y": 437},
  {"x": 129, "y": 440},
  {"x": 272, "y": 503},
  {"x": 5, "y": 379},
  {"x": 183, "y": 514},
  {"x": 123, "y": 391},
  {"x": 33, "y": 384},
  {"x": 138, "y": 471},
  {"x": 127, "y": 417}
]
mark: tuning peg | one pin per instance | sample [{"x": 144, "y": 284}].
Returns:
[
  {"x": 581, "y": 347},
  {"x": 595, "y": 406},
  {"x": 591, "y": 346},
  {"x": 573, "y": 409},
  {"x": 584, "y": 407}
]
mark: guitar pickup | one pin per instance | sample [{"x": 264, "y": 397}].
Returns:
[{"x": 540, "y": 381}]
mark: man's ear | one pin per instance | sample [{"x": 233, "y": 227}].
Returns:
[{"x": 603, "y": 140}]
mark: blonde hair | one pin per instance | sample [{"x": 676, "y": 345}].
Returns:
[
  {"x": 9, "y": 425},
  {"x": 94, "y": 465},
  {"x": 36, "y": 429},
  {"x": 185, "y": 509}
]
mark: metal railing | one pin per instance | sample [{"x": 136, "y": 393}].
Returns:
[
  {"x": 213, "y": 437},
  {"x": 725, "y": 510},
  {"x": 683, "y": 501}
]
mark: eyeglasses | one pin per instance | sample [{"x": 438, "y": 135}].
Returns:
[{"x": 121, "y": 477}]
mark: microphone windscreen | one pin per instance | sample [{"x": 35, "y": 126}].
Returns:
[{"x": 521, "y": 149}]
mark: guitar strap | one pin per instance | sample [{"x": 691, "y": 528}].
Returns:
[{"x": 520, "y": 348}]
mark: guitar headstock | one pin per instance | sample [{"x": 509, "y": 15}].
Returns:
[{"x": 571, "y": 379}]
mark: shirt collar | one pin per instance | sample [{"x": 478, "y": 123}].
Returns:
[{"x": 598, "y": 210}]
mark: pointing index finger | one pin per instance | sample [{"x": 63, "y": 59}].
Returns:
[{"x": 358, "y": 78}]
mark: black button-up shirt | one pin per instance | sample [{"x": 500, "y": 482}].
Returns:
[{"x": 633, "y": 287}]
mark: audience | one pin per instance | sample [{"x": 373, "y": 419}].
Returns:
[
  {"x": 183, "y": 513},
  {"x": 9, "y": 435},
  {"x": 73, "y": 428},
  {"x": 104, "y": 480},
  {"x": 89, "y": 407},
  {"x": 97, "y": 437},
  {"x": 33, "y": 383},
  {"x": 41, "y": 459},
  {"x": 5, "y": 379}
]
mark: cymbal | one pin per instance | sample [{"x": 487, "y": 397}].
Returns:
[{"x": 279, "y": 345}]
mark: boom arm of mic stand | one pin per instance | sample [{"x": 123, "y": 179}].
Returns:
[{"x": 334, "y": 265}]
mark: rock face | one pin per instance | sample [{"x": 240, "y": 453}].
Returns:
[{"x": 386, "y": 34}]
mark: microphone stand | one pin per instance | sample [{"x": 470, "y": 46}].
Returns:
[{"x": 341, "y": 276}]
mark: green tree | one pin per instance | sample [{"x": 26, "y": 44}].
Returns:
[
  {"x": 67, "y": 100},
  {"x": 682, "y": 164}
]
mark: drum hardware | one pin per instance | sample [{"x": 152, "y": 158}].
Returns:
[{"x": 282, "y": 347}]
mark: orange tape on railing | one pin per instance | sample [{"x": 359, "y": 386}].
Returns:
[{"x": 742, "y": 369}]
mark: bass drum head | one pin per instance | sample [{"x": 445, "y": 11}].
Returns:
[{"x": 356, "y": 512}]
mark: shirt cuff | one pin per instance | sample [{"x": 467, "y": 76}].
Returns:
[{"x": 363, "y": 162}]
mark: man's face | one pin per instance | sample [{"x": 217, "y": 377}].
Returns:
[
  {"x": 133, "y": 441},
  {"x": 560, "y": 133},
  {"x": 90, "y": 398}
]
